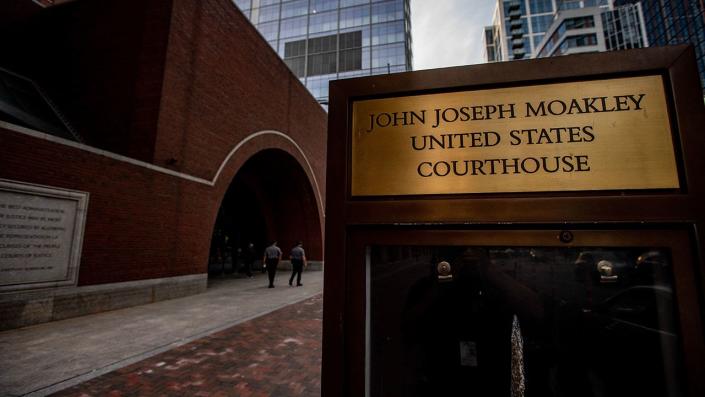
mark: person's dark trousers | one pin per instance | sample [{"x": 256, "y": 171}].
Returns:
[
  {"x": 297, "y": 266},
  {"x": 272, "y": 270},
  {"x": 248, "y": 268}
]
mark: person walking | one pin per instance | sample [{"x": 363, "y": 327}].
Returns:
[
  {"x": 272, "y": 256},
  {"x": 298, "y": 263},
  {"x": 248, "y": 258}
]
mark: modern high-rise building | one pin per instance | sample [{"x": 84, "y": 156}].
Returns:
[
  {"x": 675, "y": 22},
  {"x": 323, "y": 40},
  {"x": 520, "y": 26},
  {"x": 594, "y": 29}
]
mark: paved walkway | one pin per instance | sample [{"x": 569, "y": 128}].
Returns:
[{"x": 227, "y": 352}]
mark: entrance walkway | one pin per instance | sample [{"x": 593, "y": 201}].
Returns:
[{"x": 47, "y": 358}]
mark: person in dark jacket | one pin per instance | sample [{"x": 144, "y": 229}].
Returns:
[
  {"x": 272, "y": 256},
  {"x": 298, "y": 263}
]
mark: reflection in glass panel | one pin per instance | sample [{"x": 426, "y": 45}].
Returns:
[
  {"x": 323, "y": 22},
  {"x": 355, "y": 16},
  {"x": 269, "y": 30},
  {"x": 323, "y": 5},
  {"x": 295, "y": 8},
  {"x": 270, "y": 13},
  {"x": 293, "y": 27},
  {"x": 388, "y": 11},
  {"x": 243, "y": 4},
  {"x": 348, "y": 3},
  {"x": 541, "y": 321},
  {"x": 391, "y": 54},
  {"x": 388, "y": 32}
]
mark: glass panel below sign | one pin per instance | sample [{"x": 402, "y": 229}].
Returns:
[{"x": 522, "y": 321}]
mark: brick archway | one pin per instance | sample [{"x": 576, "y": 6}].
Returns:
[{"x": 267, "y": 189}]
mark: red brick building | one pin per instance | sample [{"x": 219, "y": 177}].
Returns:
[{"x": 182, "y": 111}]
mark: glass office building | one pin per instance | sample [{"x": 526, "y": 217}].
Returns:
[
  {"x": 675, "y": 22},
  {"x": 323, "y": 40}
]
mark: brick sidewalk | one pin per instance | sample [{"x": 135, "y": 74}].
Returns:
[{"x": 278, "y": 354}]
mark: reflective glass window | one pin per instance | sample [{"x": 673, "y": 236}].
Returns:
[
  {"x": 355, "y": 16},
  {"x": 323, "y": 22},
  {"x": 350, "y": 57},
  {"x": 348, "y": 3},
  {"x": 364, "y": 30},
  {"x": 387, "y": 11},
  {"x": 537, "y": 6},
  {"x": 293, "y": 27},
  {"x": 284, "y": 43},
  {"x": 270, "y": 13},
  {"x": 319, "y": 64},
  {"x": 391, "y": 54},
  {"x": 294, "y": 8},
  {"x": 323, "y": 5},
  {"x": 243, "y": 4},
  {"x": 269, "y": 30},
  {"x": 539, "y": 24},
  {"x": 297, "y": 65},
  {"x": 319, "y": 86},
  {"x": 387, "y": 32}
]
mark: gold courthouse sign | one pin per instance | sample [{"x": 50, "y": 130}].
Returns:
[{"x": 592, "y": 135}]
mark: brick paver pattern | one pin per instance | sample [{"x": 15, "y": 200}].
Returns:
[{"x": 278, "y": 354}]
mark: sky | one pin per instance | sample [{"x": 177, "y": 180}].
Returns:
[{"x": 448, "y": 32}]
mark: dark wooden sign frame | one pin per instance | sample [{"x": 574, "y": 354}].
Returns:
[{"x": 353, "y": 222}]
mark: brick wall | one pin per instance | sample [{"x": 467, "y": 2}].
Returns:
[{"x": 221, "y": 83}]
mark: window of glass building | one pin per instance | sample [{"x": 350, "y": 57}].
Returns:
[
  {"x": 322, "y": 55},
  {"x": 539, "y": 24},
  {"x": 583, "y": 40},
  {"x": 390, "y": 54},
  {"x": 269, "y": 30},
  {"x": 538, "y": 6},
  {"x": 387, "y": 11},
  {"x": 294, "y": 8},
  {"x": 295, "y": 57},
  {"x": 350, "y": 51},
  {"x": 349, "y": 3},
  {"x": 388, "y": 33},
  {"x": 579, "y": 23},
  {"x": 293, "y": 27},
  {"x": 354, "y": 16},
  {"x": 323, "y": 5},
  {"x": 269, "y": 13},
  {"x": 243, "y": 4},
  {"x": 364, "y": 31},
  {"x": 324, "y": 63},
  {"x": 323, "y": 22}
]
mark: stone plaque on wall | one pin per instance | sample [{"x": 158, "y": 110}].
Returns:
[{"x": 41, "y": 234}]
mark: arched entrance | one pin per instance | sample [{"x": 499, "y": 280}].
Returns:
[{"x": 269, "y": 198}]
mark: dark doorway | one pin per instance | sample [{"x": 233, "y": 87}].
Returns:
[{"x": 269, "y": 198}]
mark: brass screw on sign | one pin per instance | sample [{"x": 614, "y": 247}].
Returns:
[{"x": 444, "y": 271}]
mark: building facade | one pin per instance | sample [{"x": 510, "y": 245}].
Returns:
[
  {"x": 323, "y": 40},
  {"x": 520, "y": 26},
  {"x": 675, "y": 22},
  {"x": 190, "y": 128},
  {"x": 594, "y": 29}
]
